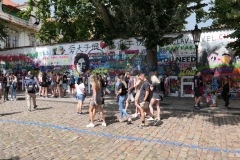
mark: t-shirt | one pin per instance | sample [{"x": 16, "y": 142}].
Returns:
[
  {"x": 65, "y": 80},
  {"x": 30, "y": 85},
  {"x": 145, "y": 87},
  {"x": 214, "y": 83},
  {"x": 131, "y": 83},
  {"x": 156, "y": 87},
  {"x": 124, "y": 89},
  {"x": 166, "y": 80},
  {"x": 198, "y": 81},
  {"x": 80, "y": 88}
]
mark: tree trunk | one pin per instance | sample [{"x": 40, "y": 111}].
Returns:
[{"x": 151, "y": 58}]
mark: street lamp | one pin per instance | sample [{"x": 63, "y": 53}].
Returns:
[{"x": 196, "y": 33}]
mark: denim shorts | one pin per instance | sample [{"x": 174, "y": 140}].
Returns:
[
  {"x": 65, "y": 86},
  {"x": 80, "y": 97}
]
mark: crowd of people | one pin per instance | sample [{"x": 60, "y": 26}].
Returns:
[
  {"x": 145, "y": 92},
  {"x": 211, "y": 90}
]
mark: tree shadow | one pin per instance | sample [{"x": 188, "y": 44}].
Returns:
[
  {"x": 221, "y": 120},
  {"x": 7, "y": 114},
  {"x": 13, "y": 158}
]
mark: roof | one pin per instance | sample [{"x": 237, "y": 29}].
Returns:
[{"x": 9, "y": 3}]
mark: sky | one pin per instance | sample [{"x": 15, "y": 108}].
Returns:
[{"x": 191, "y": 20}]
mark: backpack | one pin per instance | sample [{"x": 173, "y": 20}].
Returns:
[{"x": 31, "y": 87}]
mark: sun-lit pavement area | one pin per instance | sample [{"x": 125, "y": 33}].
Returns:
[{"x": 55, "y": 131}]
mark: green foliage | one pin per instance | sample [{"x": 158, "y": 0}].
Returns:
[
  {"x": 3, "y": 34},
  {"x": 80, "y": 20},
  {"x": 227, "y": 14}
]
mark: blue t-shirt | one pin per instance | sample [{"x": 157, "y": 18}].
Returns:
[{"x": 214, "y": 83}]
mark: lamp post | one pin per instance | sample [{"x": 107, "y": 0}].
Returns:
[{"x": 196, "y": 33}]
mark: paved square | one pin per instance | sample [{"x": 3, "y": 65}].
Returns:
[{"x": 55, "y": 131}]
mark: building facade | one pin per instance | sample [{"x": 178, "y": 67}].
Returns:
[{"x": 20, "y": 31}]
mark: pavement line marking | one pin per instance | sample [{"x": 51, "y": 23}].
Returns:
[{"x": 177, "y": 144}]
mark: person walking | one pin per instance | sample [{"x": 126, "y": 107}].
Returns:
[
  {"x": 13, "y": 86},
  {"x": 45, "y": 83},
  {"x": 197, "y": 93},
  {"x": 30, "y": 87},
  {"x": 144, "y": 100},
  {"x": 137, "y": 86},
  {"x": 155, "y": 100},
  {"x": 80, "y": 96},
  {"x": 96, "y": 101},
  {"x": 226, "y": 90},
  {"x": 6, "y": 87},
  {"x": 130, "y": 89},
  {"x": 54, "y": 85},
  {"x": 122, "y": 92}
]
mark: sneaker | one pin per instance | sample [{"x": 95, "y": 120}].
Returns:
[
  {"x": 29, "y": 110},
  {"x": 150, "y": 119},
  {"x": 79, "y": 113},
  {"x": 134, "y": 115},
  {"x": 35, "y": 107},
  {"x": 157, "y": 122},
  {"x": 197, "y": 107},
  {"x": 90, "y": 125},
  {"x": 141, "y": 126},
  {"x": 11, "y": 99},
  {"x": 15, "y": 99},
  {"x": 201, "y": 103},
  {"x": 104, "y": 124}
]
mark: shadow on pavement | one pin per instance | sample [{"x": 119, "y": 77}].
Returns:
[
  {"x": 7, "y": 114},
  {"x": 220, "y": 120},
  {"x": 46, "y": 108}
]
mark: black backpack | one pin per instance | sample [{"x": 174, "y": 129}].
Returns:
[{"x": 31, "y": 87}]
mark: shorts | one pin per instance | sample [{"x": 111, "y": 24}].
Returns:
[
  {"x": 65, "y": 86},
  {"x": 197, "y": 92},
  {"x": 72, "y": 86},
  {"x": 80, "y": 97},
  {"x": 98, "y": 101},
  {"x": 144, "y": 105}
]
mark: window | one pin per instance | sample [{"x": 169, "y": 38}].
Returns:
[
  {"x": 14, "y": 41},
  {"x": 11, "y": 42},
  {"x": 8, "y": 42},
  {"x": 33, "y": 43}
]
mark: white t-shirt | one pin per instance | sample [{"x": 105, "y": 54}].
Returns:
[
  {"x": 80, "y": 88},
  {"x": 166, "y": 80}
]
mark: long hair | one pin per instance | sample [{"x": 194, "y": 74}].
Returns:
[
  {"x": 95, "y": 82},
  {"x": 121, "y": 78},
  {"x": 154, "y": 79}
]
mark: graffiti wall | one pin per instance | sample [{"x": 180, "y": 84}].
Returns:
[
  {"x": 179, "y": 58},
  {"x": 78, "y": 57}
]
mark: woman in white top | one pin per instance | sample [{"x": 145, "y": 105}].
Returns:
[{"x": 80, "y": 95}]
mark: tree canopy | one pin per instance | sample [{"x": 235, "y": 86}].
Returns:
[
  {"x": 79, "y": 20},
  {"x": 227, "y": 14}
]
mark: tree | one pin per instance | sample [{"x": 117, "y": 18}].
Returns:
[
  {"x": 80, "y": 20},
  {"x": 227, "y": 14},
  {"x": 3, "y": 33}
]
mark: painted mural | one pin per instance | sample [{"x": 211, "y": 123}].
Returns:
[
  {"x": 179, "y": 58},
  {"x": 78, "y": 58}
]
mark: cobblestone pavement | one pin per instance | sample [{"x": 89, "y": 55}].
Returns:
[{"x": 55, "y": 131}]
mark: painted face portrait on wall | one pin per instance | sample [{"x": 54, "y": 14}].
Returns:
[
  {"x": 215, "y": 54},
  {"x": 81, "y": 62}
]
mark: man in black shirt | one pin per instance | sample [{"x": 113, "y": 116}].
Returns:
[
  {"x": 65, "y": 84},
  {"x": 144, "y": 100},
  {"x": 197, "y": 93},
  {"x": 6, "y": 87}
]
